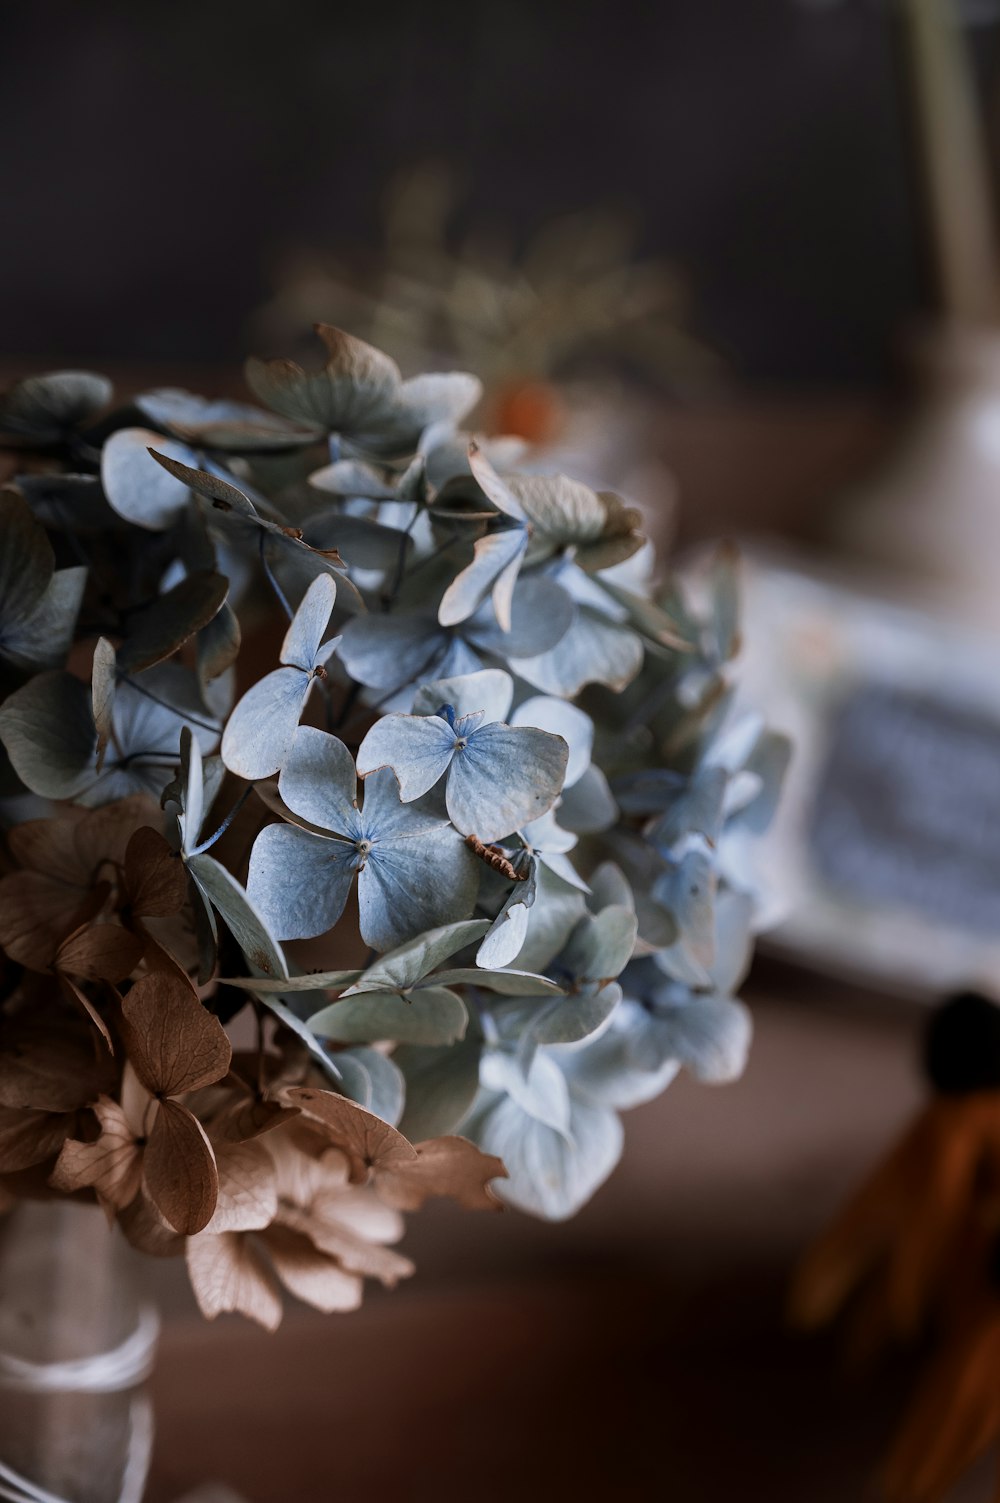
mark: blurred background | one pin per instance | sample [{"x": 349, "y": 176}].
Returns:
[{"x": 736, "y": 259}]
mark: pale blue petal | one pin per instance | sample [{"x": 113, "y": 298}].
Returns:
[
  {"x": 601, "y": 945},
  {"x": 505, "y": 776},
  {"x": 48, "y": 729},
  {"x": 416, "y": 885},
  {"x": 139, "y": 489},
  {"x": 318, "y": 782},
  {"x": 306, "y": 628},
  {"x": 551, "y": 1174},
  {"x": 503, "y": 943},
  {"x": 497, "y": 491},
  {"x": 488, "y": 693},
  {"x": 543, "y": 1094},
  {"x": 372, "y": 1080},
  {"x": 261, "y": 729},
  {"x": 418, "y": 748},
  {"x": 387, "y": 819},
  {"x": 508, "y": 983},
  {"x": 496, "y": 559},
  {"x": 541, "y": 615},
  {"x": 551, "y": 919},
  {"x": 594, "y": 650},
  {"x": 561, "y": 719},
  {"x": 390, "y": 651},
  {"x": 42, "y": 638},
  {"x": 617, "y": 1069},
  {"x": 299, "y": 882},
  {"x": 710, "y": 1035},
  {"x": 589, "y": 805}
]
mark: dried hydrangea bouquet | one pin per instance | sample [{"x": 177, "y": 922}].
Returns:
[{"x": 330, "y": 667}]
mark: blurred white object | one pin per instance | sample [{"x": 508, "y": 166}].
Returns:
[{"x": 886, "y": 848}]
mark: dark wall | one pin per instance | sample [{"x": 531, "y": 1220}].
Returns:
[{"x": 158, "y": 156}]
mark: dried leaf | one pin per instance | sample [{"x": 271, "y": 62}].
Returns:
[
  {"x": 154, "y": 875},
  {"x": 111, "y": 1165},
  {"x": 48, "y": 1061},
  {"x": 444, "y": 1166},
  {"x": 368, "y": 1142},
  {"x": 310, "y": 1274},
  {"x": 78, "y": 998},
  {"x": 179, "y": 1169},
  {"x": 31, "y": 1137},
  {"x": 228, "y": 1274},
  {"x": 99, "y": 952},
  {"x": 174, "y": 1043},
  {"x": 160, "y": 628},
  {"x": 248, "y": 1198}
]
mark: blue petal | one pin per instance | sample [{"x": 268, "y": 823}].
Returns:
[
  {"x": 305, "y": 631},
  {"x": 390, "y": 651},
  {"x": 415, "y": 884},
  {"x": 496, "y": 560},
  {"x": 261, "y": 729},
  {"x": 418, "y": 748},
  {"x": 318, "y": 782},
  {"x": 504, "y": 777},
  {"x": 298, "y": 881},
  {"x": 488, "y": 692},
  {"x": 561, "y": 719}
]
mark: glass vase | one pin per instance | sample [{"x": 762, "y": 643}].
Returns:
[{"x": 76, "y": 1346}]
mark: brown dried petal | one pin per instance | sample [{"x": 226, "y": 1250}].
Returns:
[
  {"x": 368, "y": 1142},
  {"x": 99, "y": 952},
  {"x": 79, "y": 998},
  {"x": 309, "y": 1274},
  {"x": 48, "y": 1061},
  {"x": 112, "y": 1164},
  {"x": 174, "y": 1043},
  {"x": 30, "y": 1137},
  {"x": 155, "y": 880},
  {"x": 179, "y": 1168},
  {"x": 443, "y": 1166},
  {"x": 37, "y": 912},
  {"x": 147, "y": 1231},
  {"x": 352, "y": 1252},
  {"x": 228, "y": 1274},
  {"x": 248, "y": 1199}
]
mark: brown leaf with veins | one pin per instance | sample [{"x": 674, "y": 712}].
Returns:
[
  {"x": 111, "y": 1165},
  {"x": 228, "y": 1274},
  {"x": 48, "y": 1061},
  {"x": 175, "y": 1044},
  {"x": 30, "y": 1137},
  {"x": 404, "y": 1175},
  {"x": 99, "y": 952},
  {"x": 68, "y": 867},
  {"x": 179, "y": 1168},
  {"x": 369, "y": 1143},
  {"x": 248, "y": 1195},
  {"x": 154, "y": 878},
  {"x": 449, "y": 1166}
]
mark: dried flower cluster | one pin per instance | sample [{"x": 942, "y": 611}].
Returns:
[{"x": 411, "y": 900}]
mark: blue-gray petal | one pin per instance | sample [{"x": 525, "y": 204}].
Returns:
[{"x": 299, "y": 881}]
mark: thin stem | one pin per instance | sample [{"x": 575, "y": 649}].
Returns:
[
  {"x": 206, "y": 845},
  {"x": 183, "y": 714},
  {"x": 272, "y": 581}
]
